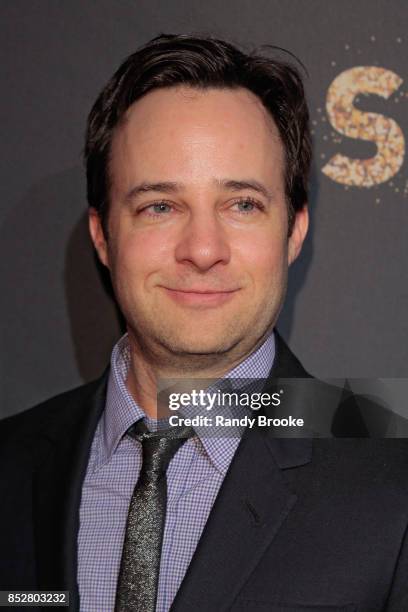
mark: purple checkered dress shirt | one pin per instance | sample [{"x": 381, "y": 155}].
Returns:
[{"x": 194, "y": 477}]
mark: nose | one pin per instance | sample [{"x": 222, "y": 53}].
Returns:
[{"x": 203, "y": 243}]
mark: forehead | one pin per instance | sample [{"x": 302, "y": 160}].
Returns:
[{"x": 183, "y": 133}]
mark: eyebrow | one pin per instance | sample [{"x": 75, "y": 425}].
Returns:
[
  {"x": 252, "y": 184},
  {"x": 174, "y": 187},
  {"x": 163, "y": 187}
]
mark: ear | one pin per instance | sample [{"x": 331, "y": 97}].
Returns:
[
  {"x": 98, "y": 236},
  {"x": 299, "y": 231}
]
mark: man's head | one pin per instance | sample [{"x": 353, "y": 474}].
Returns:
[{"x": 197, "y": 163}]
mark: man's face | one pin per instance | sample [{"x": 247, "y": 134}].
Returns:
[{"x": 197, "y": 232}]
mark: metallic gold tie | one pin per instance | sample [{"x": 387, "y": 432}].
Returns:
[{"x": 140, "y": 565}]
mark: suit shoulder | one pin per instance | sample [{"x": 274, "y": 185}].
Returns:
[
  {"x": 61, "y": 407},
  {"x": 366, "y": 460}
]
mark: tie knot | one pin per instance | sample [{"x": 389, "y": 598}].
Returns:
[{"x": 159, "y": 447}]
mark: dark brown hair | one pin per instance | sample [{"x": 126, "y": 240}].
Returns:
[{"x": 201, "y": 62}]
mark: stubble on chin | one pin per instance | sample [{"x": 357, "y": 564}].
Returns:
[{"x": 193, "y": 350}]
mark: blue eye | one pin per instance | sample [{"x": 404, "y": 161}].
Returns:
[
  {"x": 161, "y": 207},
  {"x": 246, "y": 206},
  {"x": 158, "y": 209}
]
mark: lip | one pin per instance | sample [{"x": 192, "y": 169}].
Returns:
[{"x": 200, "y": 297}]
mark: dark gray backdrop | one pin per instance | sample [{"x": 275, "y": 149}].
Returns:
[{"x": 346, "y": 312}]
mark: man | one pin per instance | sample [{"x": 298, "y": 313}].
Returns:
[{"x": 197, "y": 165}]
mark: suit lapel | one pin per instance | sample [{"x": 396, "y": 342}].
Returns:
[
  {"x": 252, "y": 504},
  {"x": 63, "y": 456},
  {"x": 248, "y": 513}
]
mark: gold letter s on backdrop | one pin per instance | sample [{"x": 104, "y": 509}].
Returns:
[{"x": 351, "y": 122}]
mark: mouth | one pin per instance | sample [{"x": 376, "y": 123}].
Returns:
[{"x": 200, "y": 297}]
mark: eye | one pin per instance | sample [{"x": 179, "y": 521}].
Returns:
[
  {"x": 248, "y": 206},
  {"x": 157, "y": 209}
]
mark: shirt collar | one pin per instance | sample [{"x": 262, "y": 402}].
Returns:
[{"x": 122, "y": 411}]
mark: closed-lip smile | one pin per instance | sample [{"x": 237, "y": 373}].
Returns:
[{"x": 200, "y": 296}]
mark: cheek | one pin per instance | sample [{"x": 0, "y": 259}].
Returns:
[
  {"x": 264, "y": 258},
  {"x": 138, "y": 254}
]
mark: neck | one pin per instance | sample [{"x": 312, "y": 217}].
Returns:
[{"x": 147, "y": 368}]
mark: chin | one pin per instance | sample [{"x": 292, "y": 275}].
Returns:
[{"x": 197, "y": 346}]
